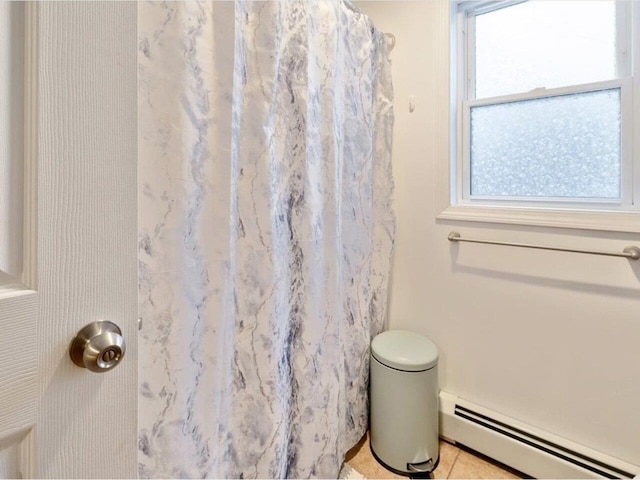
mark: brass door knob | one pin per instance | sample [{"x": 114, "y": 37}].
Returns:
[{"x": 98, "y": 346}]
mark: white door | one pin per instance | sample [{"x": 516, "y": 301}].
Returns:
[
  {"x": 68, "y": 144},
  {"x": 18, "y": 298}
]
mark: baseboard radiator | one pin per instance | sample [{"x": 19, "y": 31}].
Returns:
[{"x": 523, "y": 447}]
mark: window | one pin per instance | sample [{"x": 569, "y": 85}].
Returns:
[{"x": 544, "y": 108}]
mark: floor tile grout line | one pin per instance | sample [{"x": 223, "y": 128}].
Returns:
[{"x": 453, "y": 463}]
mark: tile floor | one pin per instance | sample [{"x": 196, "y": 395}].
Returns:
[{"x": 455, "y": 462}]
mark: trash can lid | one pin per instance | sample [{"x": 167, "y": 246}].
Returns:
[{"x": 402, "y": 350}]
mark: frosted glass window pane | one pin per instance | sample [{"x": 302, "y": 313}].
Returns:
[
  {"x": 567, "y": 146},
  {"x": 545, "y": 44}
]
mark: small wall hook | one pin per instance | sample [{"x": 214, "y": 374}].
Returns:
[{"x": 392, "y": 40}]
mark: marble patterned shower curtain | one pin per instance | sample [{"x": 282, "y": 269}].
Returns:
[{"x": 266, "y": 233}]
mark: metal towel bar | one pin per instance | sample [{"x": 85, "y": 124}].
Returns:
[{"x": 632, "y": 253}]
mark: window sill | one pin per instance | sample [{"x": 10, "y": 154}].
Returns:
[{"x": 613, "y": 221}]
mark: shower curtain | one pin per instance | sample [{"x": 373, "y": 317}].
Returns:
[{"x": 266, "y": 232}]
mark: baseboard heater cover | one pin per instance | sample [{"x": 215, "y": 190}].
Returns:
[{"x": 523, "y": 447}]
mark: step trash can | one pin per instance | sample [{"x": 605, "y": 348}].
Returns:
[{"x": 404, "y": 402}]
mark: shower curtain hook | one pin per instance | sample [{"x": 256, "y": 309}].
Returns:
[{"x": 392, "y": 40}]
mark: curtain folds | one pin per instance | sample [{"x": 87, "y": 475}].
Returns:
[{"x": 266, "y": 233}]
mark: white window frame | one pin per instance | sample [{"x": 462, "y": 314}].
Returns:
[{"x": 595, "y": 213}]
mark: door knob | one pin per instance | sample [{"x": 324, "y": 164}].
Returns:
[{"x": 98, "y": 346}]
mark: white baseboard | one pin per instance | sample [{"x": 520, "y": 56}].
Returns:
[{"x": 523, "y": 447}]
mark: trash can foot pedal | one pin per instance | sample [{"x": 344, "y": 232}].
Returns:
[{"x": 421, "y": 470}]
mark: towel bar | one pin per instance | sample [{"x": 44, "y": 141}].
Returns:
[{"x": 632, "y": 252}]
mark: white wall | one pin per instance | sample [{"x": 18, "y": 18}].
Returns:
[{"x": 548, "y": 338}]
